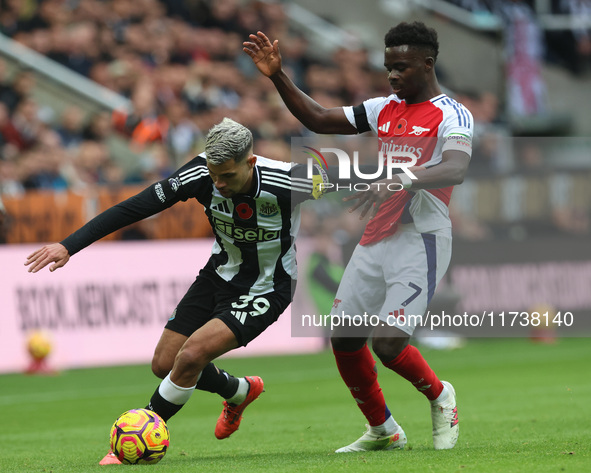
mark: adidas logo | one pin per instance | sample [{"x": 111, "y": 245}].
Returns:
[
  {"x": 240, "y": 315},
  {"x": 454, "y": 419},
  {"x": 385, "y": 127},
  {"x": 222, "y": 207}
]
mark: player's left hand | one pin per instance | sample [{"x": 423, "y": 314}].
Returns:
[
  {"x": 372, "y": 198},
  {"x": 376, "y": 195}
]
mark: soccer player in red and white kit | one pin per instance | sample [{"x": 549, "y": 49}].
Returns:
[{"x": 406, "y": 247}]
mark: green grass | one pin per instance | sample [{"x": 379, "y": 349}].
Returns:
[{"x": 523, "y": 407}]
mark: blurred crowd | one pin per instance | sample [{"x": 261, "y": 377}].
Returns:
[
  {"x": 569, "y": 47},
  {"x": 181, "y": 65}
]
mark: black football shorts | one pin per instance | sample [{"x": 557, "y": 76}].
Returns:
[{"x": 210, "y": 297}]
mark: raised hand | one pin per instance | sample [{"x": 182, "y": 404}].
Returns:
[
  {"x": 54, "y": 253},
  {"x": 265, "y": 55}
]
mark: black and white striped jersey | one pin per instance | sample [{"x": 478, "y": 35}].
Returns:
[
  {"x": 254, "y": 233},
  {"x": 254, "y": 246}
]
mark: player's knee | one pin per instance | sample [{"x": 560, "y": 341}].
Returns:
[
  {"x": 160, "y": 367},
  {"x": 347, "y": 343},
  {"x": 192, "y": 359},
  {"x": 386, "y": 349}
]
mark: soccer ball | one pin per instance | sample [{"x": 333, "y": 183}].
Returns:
[
  {"x": 139, "y": 436},
  {"x": 38, "y": 345}
]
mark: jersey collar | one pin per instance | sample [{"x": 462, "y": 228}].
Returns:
[{"x": 256, "y": 187}]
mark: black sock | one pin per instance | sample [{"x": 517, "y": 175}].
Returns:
[
  {"x": 217, "y": 381},
  {"x": 162, "y": 407}
]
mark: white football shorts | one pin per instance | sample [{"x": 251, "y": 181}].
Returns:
[{"x": 393, "y": 280}]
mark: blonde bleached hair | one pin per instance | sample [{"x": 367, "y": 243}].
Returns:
[{"x": 228, "y": 140}]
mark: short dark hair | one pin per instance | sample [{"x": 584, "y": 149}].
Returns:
[{"x": 415, "y": 34}]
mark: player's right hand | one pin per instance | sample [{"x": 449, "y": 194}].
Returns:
[
  {"x": 265, "y": 55},
  {"x": 54, "y": 253}
]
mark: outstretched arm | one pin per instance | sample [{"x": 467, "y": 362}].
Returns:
[
  {"x": 54, "y": 253},
  {"x": 312, "y": 115},
  {"x": 132, "y": 210}
]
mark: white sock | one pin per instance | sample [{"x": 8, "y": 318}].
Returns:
[
  {"x": 173, "y": 393},
  {"x": 443, "y": 396},
  {"x": 241, "y": 393},
  {"x": 387, "y": 428}
]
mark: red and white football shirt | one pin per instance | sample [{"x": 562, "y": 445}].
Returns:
[{"x": 425, "y": 129}]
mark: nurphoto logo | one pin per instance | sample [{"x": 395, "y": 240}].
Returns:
[{"x": 399, "y": 159}]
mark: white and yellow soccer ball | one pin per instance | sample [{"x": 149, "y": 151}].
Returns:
[
  {"x": 39, "y": 345},
  {"x": 139, "y": 436}
]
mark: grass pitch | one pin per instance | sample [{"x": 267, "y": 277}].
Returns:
[{"x": 523, "y": 407}]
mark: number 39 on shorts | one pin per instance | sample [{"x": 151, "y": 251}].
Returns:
[{"x": 258, "y": 306}]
